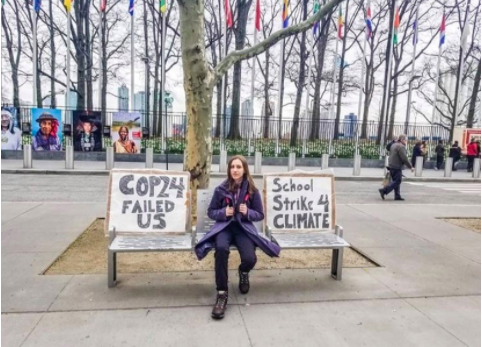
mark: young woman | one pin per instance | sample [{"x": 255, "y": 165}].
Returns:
[{"x": 235, "y": 205}]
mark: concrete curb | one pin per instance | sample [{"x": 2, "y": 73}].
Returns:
[{"x": 222, "y": 174}]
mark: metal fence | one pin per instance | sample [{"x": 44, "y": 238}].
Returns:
[{"x": 273, "y": 138}]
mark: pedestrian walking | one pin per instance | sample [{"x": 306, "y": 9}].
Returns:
[
  {"x": 472, "y": 153},
  {"x": 455, "y": 153},
  {"x": 440, "y": 152},
  {"x": 398, "y": 158},
  {"x": 235, "y": 205}
]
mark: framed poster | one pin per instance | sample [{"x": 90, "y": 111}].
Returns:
[
  {"x": 46, "y": 129},
  {"x": 11, "y": 134},
  {"x": 87, "y": 131},
  {"x": 126, "y": 132}
]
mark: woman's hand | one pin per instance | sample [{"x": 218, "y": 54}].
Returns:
[
  {"x": 243, "y": 209},
  {"x": 229, "y": 211}
]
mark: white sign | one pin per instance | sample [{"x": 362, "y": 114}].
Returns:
[
  {"x": 148, "y": 201},
  {"x": 299, "y": 202}
]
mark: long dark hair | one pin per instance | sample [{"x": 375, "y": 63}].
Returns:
[{"x": 246, "y": 176}]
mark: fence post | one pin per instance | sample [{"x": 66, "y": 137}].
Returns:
[
  {"x": 27, "y": 156},
  {"x": 476, "y": 168},
  {"x": 419, "y": 166},
  {"x": 449, "y": 162},
  {"x": 249, "y": 146},
  {"x": 357, "y": 165},
  {"x": 257, "y": 162},
  {"x": 69, "y": 157},
  {"x": 292, "y": 162},
  {"x": 109, "y": 158},
  {"x": 149, "y": 158},
  {"x": 277, "y": 148},
  {"x": 325, "y": 158},
  {"x": 303, "y": 149},
  {"x": 223, "y": 161}
]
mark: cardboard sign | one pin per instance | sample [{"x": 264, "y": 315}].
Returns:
[
  {"x": 148, "y": 201},
  {"x": 299, "y": 201}
]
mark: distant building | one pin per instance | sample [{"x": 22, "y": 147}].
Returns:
[
  {"x": 72, "y": 96},
  {"x": 349, "y": 125},
  {"x": 140, "y": 102},
  {"x": 123, "y": 98}
]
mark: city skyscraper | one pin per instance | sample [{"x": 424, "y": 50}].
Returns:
[
  {"x": 123, "y": 101},
  {"x": 140, "y": 102}
]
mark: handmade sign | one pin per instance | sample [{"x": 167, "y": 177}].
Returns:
[
  {"x": 299, "y": 201},
  {"x": 148, "y": 201}
]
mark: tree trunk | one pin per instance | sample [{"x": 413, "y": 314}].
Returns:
[
  {"x": 80, "y": 54},
  {"x": 301, "y": 82},
  {"x": 88, "y": 57},
  {"x": 198, "y": 90},
  {"x": 393, "y": 105},
  {"x": 240, "y": 35},
  {"x": 13, "y": 60},
  {"x": 281, "y": 91},
  {"x": 104, "y": 69},
  {"x": 53, "y": 53},
  {"x": 147, "y": 75},
  {"x": 340, "y": 76},
  {"x": 473, "y": 99},
  {"x": 267, "y": 107},
  {"x": 368, "y": 92},
  {"x": 456, "y": 99}
]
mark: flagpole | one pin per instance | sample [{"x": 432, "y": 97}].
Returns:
[
  {"x": 409, "y": 102},
  {"x": 35, "y": 56},
  {"x": 360, "y": 96},
  {"x": 100, "y": 57},
  {"x": 253, "y": 73},
  {"x": 163, "y": 78},
  {"x": 389, "y": 77},
  {"x": 67, "y": 99},
  {"x": 280, "y": 76},
  {"x": 132, "y": 62},
  {"x": 224, "y": 51},
  {"x": 333, "y": 92},
  {"x": 463, "y": 45}
]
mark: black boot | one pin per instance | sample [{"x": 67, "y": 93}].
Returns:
[
  {"x": 220, "y": 305},
  {"x": 243, "y": 282}
]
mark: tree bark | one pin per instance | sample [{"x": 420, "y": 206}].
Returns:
[
  {"x": 267, "y": 107},
  {"x": 53, "y": 54},
  {"x": 88, "y": 56},
  {"x": 80, "y": 54},
  {"x": 473, "y": 99}
]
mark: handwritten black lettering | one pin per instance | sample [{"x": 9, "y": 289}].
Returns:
[{"x": 123, "y": 182}]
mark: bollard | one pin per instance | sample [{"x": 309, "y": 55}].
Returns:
[
  {"x": 27, "y": 156},
  {"x": 163, "y": 146},
  {"x": 277, "y": 148},
  {"x": 149, "y": 158},
  {"x": 223, "y": 161},
  {"x": 325, "y": 159},
  {"x": 385, "y": 170},
  {"x": 69, "y": 157},
  {"x": 449, "y": 162},
  {"x": 109, "y": 158},
  {"x": 292, "y": 162},
  {"x": 250, "y": 149},
  {"x": 257, "y": 162},
  {"x": 357, "y": 165},
  {"x": 419, "y": 166},
  {"x": 476, "y": 168},
  {"x": 303, "y": 149}
]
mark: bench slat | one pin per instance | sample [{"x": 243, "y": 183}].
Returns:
[
  {"x": 312, "y": 240},
  {"x": 149, "y": 243}
]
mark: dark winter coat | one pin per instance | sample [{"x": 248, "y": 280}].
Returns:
[
  {"x": 217, "y": 211},
  {"x": 417, "y": 152}
]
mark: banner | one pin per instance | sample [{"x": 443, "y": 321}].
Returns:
[
  {"x": 87, "y": 131},
  {"x": 46, "y": 129},
  {"x": 299, "y": 201},
  {"x": 126, "y": 132},
  {"x": 148, "y": 201},
  {"x": 11, "y": 133}
]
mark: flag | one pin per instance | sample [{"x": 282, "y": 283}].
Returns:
[
  {"x": 163, "y": 6},
  {"x": 396, "y": 25},
  {"x": 257, "y": 22},
  {"x": 103, "y": 5},
  {"x": 369, "y": 23},
  {"x": 340, "y": 22},
  {"x": 228, "y": 14},
  {"x": 286, "y": 13},
  {"x": 415, "y": 33},
  {"x": 316, "y": 8},
  {"x": 36, "y": 5},
  {"x": 131, "y": 7},
  {"x": 442, "y": 31},
  {"x": 67, "y": 4}
]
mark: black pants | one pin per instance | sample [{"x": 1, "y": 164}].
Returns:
[
  {"x": 395, "y": 184},
  {"x": 232, "y": 235},
  {"x": 440, "y": 161},
  {"x": 470, "y": 162}
]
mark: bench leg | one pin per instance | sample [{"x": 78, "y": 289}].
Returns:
[
  {"x": 111, "y": 268},
  {"x": 337, "y": 264}
]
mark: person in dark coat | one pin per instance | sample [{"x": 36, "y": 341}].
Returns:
[
  {"x": 455, "y": 153},
  {"x": 440, "y": 151},
  {"x": 416, "y": 152},
  {"x": 235, "y": 205}
]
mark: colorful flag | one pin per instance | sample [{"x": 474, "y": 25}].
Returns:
[
  {"x": 415, "y": 33},
  {"x": 131, "y": 7},
  {"x": 286, "y": 13},
  {"x": 37, "y": 4},
  {"x": 67, "y": 4},
  {"x": 442, "y": 31},
  {"x": 163, "y": 6},
  {"x": 103, "y": 5},
  {"x": 368, "y": 20},
  {"x": 257, "y": 22},
  {"x": 228, "y": 13},
  {"x": 340, "y": 22},
  {"x": 396, "y": 25},
  {"x": 316, "y": 8}
]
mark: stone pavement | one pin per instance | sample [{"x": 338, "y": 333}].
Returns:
[
  {"x": 426, "y": 292},
  {"x": 341, "y": 173}
]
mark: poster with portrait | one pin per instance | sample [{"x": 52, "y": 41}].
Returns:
[
  {"x": 11, "y": 133},
  {"x": 46, "y": 129},
  {"x": 87, "y": 131},
  {"x": 126, "y": 132}
]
